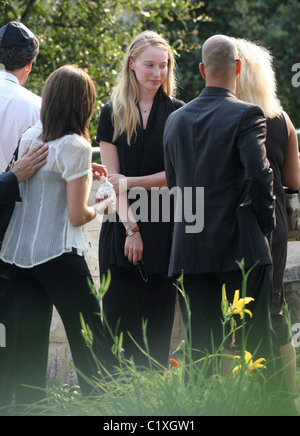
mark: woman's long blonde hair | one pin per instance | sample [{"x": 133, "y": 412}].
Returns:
[
  {"x": 126, "y": 93},
  {"x": 257, "y": 82}
]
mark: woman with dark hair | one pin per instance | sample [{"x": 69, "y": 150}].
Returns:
[{"x": 44, "y": 242}]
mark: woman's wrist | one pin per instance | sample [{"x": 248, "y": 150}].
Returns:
[
  {"x": 130, "y": 183},
  {"x": 131, "y": 231}
]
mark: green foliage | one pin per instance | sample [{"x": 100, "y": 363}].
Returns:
[
  {"x": 194, "y": 388},
  {"x": 275, "y": 24},
  {"x": 94, "y": 35}
]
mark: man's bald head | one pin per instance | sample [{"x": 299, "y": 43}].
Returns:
[{"x": 219, "y": 55}]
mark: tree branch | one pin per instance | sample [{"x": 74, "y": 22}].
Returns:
[{"x": 28, "y": 9}]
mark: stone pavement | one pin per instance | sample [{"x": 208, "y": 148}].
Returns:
[{"x": 292, "y": 281}]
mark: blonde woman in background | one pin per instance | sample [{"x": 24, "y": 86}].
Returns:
[
  {"x": 136, "y": 250},
  {"x": 257, "y": 84}
]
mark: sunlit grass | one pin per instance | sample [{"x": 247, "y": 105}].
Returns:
[
  {"x": 189, "y": 388},
  {"x": 182, "y": 391}
]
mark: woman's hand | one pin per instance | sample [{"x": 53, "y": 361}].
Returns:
[
  {"x": 98, "y": 171},
  {"x": 119, "y": 183},
  {"x": 133, "y": 249},
  {"x": 108, "y": 205},
  {"x": 30, "y": 162}
]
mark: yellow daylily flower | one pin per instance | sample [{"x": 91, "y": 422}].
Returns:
[
  {"x": 249, "y": 363},
  {"x": 224, "y": 303},
  {"x": 239, "y": 304},
  {"x": 237, "y": 307}
]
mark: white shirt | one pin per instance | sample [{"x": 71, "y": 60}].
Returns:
[
  {"x": 40, "y": 229},
  {"x": 19, "y": 109}
]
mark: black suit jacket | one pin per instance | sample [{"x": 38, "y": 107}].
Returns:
[
  {"x": 9, "y": 194},
  {"x": 216, "y": 142},
  {"x": 9, "y": 188}
]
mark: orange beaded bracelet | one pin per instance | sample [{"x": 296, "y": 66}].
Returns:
[{"x": 131, "y": 232}]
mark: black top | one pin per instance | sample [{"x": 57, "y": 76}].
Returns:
[
  {"x": 276, "y": 144},
  {"x": 143, "y": 157}
]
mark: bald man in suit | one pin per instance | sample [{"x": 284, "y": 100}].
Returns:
[{"x": 216, "y": 142}]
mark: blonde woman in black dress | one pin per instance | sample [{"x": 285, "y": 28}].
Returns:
[
  {"x": 136, "y": 247},
  {"x": 257, "y": 84}
]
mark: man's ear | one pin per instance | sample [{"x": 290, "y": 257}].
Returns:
[
  {"x": 28, "y": 67},
  {"x": 238, "y": 66},
  {"x": 202, "y": 69}
]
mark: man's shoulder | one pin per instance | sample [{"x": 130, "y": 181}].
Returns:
[
  {"x": 180, "y": 112},
  {"x": 220, "y": 105},
  {"x": 242, "y": 105},
  {"x": 247, "y": 110},
  {"x": 33, "y": 131},
  {"x": 229, "y": 106},
  {"x": 28, "y": 97},
  {"x": 22, "y": 101}
]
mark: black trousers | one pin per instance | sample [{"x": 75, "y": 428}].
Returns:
[
  {"x": 205, "y": 295},
  {"x": 7, "y": 352},
  {"x": 129, "y": 301},
  {"x": 61, "y": 282}
]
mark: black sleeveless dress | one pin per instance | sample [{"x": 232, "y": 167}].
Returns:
[
  {"x": 276, "y": 145},
  {"x": 143, "y": 292}
]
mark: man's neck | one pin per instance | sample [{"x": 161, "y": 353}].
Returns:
[
  {"x": 20, "y": 74},
  {"x": 226, "y": 84},
  {"x": 14, "y": 73}
]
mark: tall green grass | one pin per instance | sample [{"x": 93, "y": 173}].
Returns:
[{"x": 194, "y": 388}]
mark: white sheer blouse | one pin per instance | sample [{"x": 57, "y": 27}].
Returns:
[{"x": 40, "y": 229}]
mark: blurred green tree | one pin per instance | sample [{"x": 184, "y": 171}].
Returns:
[
  {"x": 94, "y": 35},
  {"x": 273, "y": 23}
]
